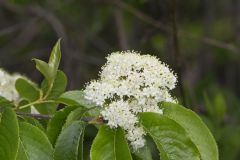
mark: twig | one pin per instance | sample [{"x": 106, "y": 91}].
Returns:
[
  {"x": 38, "y": 116},
  {"x": 44, "y": 116},
  {"x": 147, "y": 19}
]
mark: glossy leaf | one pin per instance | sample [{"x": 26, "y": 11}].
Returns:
[
  {"x": 55, "y": 125},
  {"x": 22, "y": 155},
  {"x": 75, "y": 97},
  {"x": 55, "y": 57},
  {"x": 34, "y": 122},
  {"x": 170, "y": 138},
  {"x": 69, "y": 142},
  {"x": 195, "y": 128},
  {"x": 75, "y": 115},
  {"x": 9, "y": 133},
  {"x": 34, "y": 144},
  {"x": 110, "y": 144},
  {"x": 46, "y": 108}
]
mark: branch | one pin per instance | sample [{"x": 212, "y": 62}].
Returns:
[
  {"x": 98, "y": 120},
  {"x": 38, "y": 116}
]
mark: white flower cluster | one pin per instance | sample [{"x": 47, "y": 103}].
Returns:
[
  {"x": 7, "y": 85},
  {"x": 131, "y": 83}
]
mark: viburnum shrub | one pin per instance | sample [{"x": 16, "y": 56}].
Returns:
[{"x": 130, "y": 104}]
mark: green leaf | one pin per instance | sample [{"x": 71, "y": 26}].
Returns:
[
  {"x": 110, "y": 144},
  {"x": 34, "y": 122},
  {"x": 69, "y": 142},
  {"x": 80, "y": 147},
  {"x": 5, "y": 103},
  {"x": 22, "y": 103},
  {"x": 8, "y": 134},
  {"x": 195, "y": 128},
  {"x": 27, "y": 90},
  {"x": 44, "y": 68},
  {"x": 49, "y": 70},
  {"x": 55, "y": 57},
  {"x": 46, "y": 107},
  {"x": 56, "y": 123},
  {"x": 170, "y": 138},
  {"x": 22, "y": 155},
  {"x": 75, "y": 97},
  {"x": 75, "y": 115},
  {"x": 58, "y": 87},
  {"x": 34, "y": 144}
]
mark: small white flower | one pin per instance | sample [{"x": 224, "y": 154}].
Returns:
[
  {"x": 119, "y": 116},
  {"x": 136, "y": 137},
  {"x": 131, "y": 83}
]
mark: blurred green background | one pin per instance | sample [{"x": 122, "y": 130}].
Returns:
[{"x": 199, "y": 39}]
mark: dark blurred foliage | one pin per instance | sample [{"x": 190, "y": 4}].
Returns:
[{"x": 198, "y": 38}]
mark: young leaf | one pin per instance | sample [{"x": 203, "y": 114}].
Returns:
[
  {"x": 34, "y": 144},
  {"x": 44, "y": 68},
  {"x": 110, "y": 144},
  {"x": 49, "y": 70},
  {"x": 27, "y": 90},
  {"x": 69, "y": 142},
  {"x": 55, "y": 125},
  {"x": 58, "y": 87},
  {"x": 170, "y": 138},
  {"x": 8, "y": 134},
  {"x": 55, "y": 57},
  {"x": 195, "y": 128}
]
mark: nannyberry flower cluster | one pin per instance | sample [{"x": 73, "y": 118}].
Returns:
[{"x": 131, "y": 83}]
